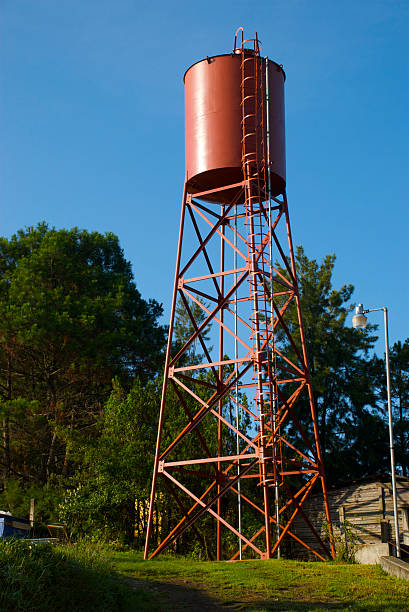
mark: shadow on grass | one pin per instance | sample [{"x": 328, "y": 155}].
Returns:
[
  {"x": 194, "y": 598},
  {"x": 307, "y": 606},
  {"x": 286, "y": 604},
  {"x": 176, "y": 595}
]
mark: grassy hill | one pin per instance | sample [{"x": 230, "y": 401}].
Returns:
[
  {"x": 90, "y": 577},
  {"x": 180, "y": 584}
]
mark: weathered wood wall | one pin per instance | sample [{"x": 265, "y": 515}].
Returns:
[{"x": 362, "y": 508}]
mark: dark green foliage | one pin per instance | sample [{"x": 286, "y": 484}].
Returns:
[
  {"x": 399, "y": 370},
  {"x": 71, "y": 319},
  {"x": 16, "y": 497},
  {"x": 399, "y": 356},
  {"x": 109, "y": 494},
  {"x": 353, "y": 433},
  {"x": 111, "y": 484},
  {"x": 52, "y": 579}
]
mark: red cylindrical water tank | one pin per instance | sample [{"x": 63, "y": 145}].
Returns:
[{"x": 213, "y": 125}]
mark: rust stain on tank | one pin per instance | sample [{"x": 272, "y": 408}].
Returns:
[{"x": 213, "y": 118}]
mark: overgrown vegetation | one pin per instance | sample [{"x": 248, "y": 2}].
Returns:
[
  {"x": 82, "y": 577},
  {"x": 81, "y": 354},
  {"x": 70, "y": 578},
  {"x": 71, "y": 321},
  {"x": 345, "y": 541}
]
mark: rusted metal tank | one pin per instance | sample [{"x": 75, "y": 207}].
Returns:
[{"x": 213, "y": 125}]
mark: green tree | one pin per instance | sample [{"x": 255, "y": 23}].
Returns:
[
  {"x": 399, "y": 369},
  {"x": 109, "y": 492},
  {"x": 343, "y": 375},
  {"x": 71, "y": 319},
  {"x": 108, "y": 495}
]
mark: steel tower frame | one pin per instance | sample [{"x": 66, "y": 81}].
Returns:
[{"x": 245, "y": 230}]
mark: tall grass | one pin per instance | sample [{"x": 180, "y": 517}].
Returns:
[{"x": 60, "y": 578}]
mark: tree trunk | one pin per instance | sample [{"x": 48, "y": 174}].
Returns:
[
  {"x": 65, "y": 464},
  {"x": 130, "y": 521},
  {"x": 6, "y": 450},
  {"x": 6, "y": 430},
  {"x": 51, "y": 453},
  {"x": 323, "y": 427},
  {"x": 402, "y": 438}
]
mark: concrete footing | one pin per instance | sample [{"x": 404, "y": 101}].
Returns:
[
  {"x": 370, "y": 554},
  {"x": 395, "y": 567}
]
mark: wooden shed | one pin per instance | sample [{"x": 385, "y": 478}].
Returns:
[{"x": 363, "y": 507}]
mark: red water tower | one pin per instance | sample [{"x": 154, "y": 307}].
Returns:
[{"x": 236, "y": 284}]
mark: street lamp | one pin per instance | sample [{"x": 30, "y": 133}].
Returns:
[{"x": 359, "y": 321}]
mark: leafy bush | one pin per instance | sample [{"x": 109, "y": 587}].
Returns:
[
  {"x": 61, "y": 578},
  {"x": 345, "y": 541}
]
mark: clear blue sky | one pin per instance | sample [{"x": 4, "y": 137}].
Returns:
[{"x": 92, "y": 122}]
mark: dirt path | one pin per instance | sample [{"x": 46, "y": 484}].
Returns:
[
  {"x": 177, "y": 595},
  {"x": 181, "y": 595}
]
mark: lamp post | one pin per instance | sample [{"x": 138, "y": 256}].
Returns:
[{"x": 359, "y": 321}]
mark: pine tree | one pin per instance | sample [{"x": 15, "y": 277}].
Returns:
[
  {"x": 71, "y": 319},
  {"x": 351, "y": 427}
]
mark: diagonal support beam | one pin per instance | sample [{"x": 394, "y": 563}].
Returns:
[{"x": 208, "y": 508}]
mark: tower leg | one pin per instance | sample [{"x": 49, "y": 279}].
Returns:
[
  {"x": 310, "y": 392},
  {"x": 220, "y": 407},
  {"x": 165, "y": 378}
]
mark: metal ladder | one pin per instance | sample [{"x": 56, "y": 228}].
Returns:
[{"x": 255, "y": 174}]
